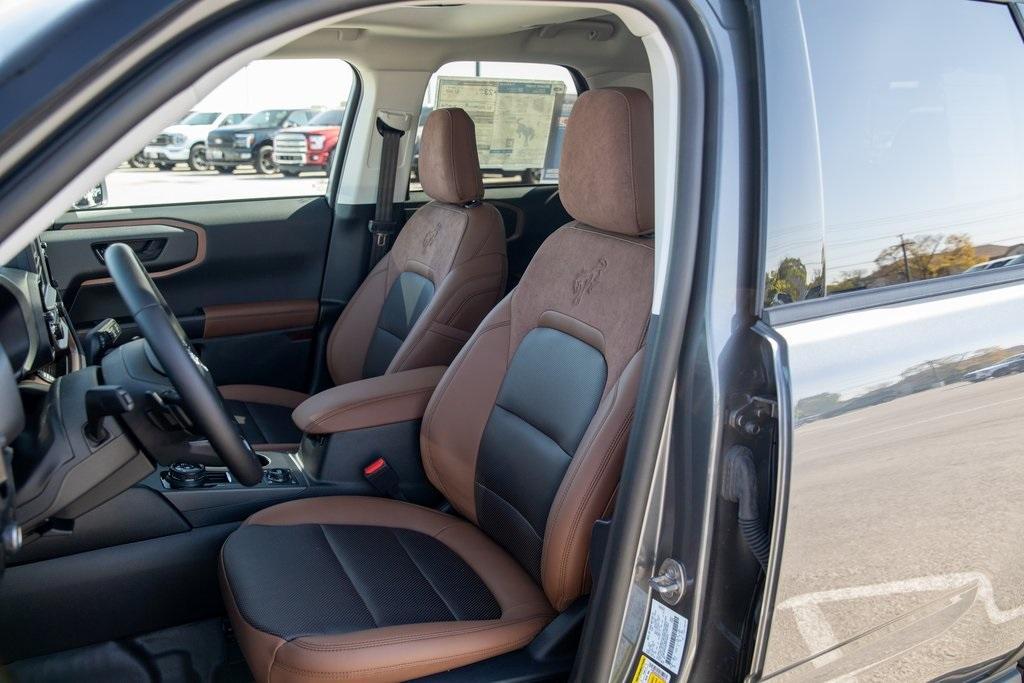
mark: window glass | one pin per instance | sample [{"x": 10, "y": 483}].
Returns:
[
  {"x": 200, "y": 118},
  {"x": 232, "y": 119},
  {"x": 297, "y": 118},
  {"x": 266, "y": 118},
  {"x": 519, "y": 111},
  {"x": 921, "y": 147},
  {"x": 328, "y": 117},
  {"x": 225, "y": 148}
]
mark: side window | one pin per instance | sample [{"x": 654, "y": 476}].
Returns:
[
  {"x": 297, "y": 118},
  {"x": 224, "y": 148},
  {"x": 921, "y": 146},
  {"x": 519, "y": 111}
]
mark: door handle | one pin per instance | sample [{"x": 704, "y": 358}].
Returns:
[{"x": 147, "y": 249}]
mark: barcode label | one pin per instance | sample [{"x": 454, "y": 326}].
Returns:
[{"x": 666, "y": 636}]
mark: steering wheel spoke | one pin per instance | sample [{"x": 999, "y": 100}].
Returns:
[{"x": 181, "y": 364}]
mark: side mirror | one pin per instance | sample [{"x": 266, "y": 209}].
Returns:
[{"x": 94, "y": 198}]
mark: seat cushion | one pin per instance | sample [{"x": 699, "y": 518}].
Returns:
[
  {"x": 264, "y": 414},
  {"x": 355, "y": 588}
]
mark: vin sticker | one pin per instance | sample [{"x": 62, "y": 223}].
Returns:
[
  {"x": 649, "y": 672},
  {"x": 666, "y": 635}
]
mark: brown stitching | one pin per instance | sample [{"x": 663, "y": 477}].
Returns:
[
  {"x": 574, "y": 469},
  {"x": 370, "y": 401},
  {"x": 234, "y": 603},
  {"x": 465, "y": 301},
  {"x": 632, "y": 165},
  {"x": 442, "y": 632},
  {"x": 561, "y": 501},
  {"x": 605, "y": 462},
  {"x": 583, "y": 227},
  {"x": 439, "y": 393},
  {"x": 331, "y": 339},
  {"x": 341, "y": 675}
]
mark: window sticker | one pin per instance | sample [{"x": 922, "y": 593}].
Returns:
[
  {"x": 514, "y": 118},
  {"x": 649, "y": 672},
  {"x": 666, "y": 635}
]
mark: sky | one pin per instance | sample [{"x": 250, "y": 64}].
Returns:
[
  {"x": 282, "y": 84},
  {"x": 286, "y": 83}
]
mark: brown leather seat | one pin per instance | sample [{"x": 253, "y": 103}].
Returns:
[
  {"x": 524, "y": 436},
  {"x": 419, "y": 305}
]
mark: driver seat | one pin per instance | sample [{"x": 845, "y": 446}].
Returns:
[
  {"x": 421, "y": 302},
  {"x": 525, "y": 437}
]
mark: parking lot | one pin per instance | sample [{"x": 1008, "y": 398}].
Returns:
[
  {"x": 141, "y": 186},
  {"x": 128, "y": 186},
  {"x": 936, "y": 567}
]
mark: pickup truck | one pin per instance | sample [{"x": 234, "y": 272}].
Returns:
[
  {"x": 251, "y": 141},
  {"x": 186, "y": 141},
  {"x": 309, "y": 147}
]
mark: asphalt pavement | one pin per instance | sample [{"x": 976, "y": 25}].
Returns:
[
  {"x": 144, "y": 186},
  {"x": 903, "y": 543}
]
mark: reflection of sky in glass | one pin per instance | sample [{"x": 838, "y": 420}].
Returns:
[{"x": 916, "y": 105}]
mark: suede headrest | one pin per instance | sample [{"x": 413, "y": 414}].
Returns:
[
  {"x": 449, "y": 168},
  {"x": 607, "y": 168}
]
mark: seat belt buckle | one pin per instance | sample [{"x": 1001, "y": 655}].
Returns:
[
  {"x": 382, "y": 227},
  {"x": 382, "y": 231},
  {"x": 383, "y": 478}
]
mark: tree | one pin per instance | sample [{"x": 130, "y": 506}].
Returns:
[
  {"x": 924, "y": 258},
  {"x": 789, "y": 282}
]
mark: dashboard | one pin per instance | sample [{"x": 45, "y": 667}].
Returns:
[{"x": 34, "y": 328}]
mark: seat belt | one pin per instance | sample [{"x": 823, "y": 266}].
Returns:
[{"x": 384, "y": 226}]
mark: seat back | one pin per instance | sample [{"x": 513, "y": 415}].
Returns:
[
  {"x": 446, "y": 270},
  {"x": 526, "y": 432}
]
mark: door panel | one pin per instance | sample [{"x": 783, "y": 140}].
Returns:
[
  {"x": 76, "y": 253},
  {"x": 255, "y": 266},
  {"x": 901, "y": 555}
]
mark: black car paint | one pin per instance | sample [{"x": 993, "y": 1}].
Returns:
[{"x": 223, "y": 140}]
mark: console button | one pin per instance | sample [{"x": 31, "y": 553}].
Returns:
[
  {"x": 279, "y": 475},
  {"x": 186, "y": 474}
]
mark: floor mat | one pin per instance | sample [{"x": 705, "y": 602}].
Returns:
[{"x": 202, "y": 652}]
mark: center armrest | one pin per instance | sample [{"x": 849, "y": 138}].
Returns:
[{"x": 372, "y": 402}]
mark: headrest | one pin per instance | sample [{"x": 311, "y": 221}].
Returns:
[
  {"x": 606, "y": 177},
  {"x": 449, "y": 167}
]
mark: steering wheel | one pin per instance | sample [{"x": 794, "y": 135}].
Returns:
[{"x": 170, "y": 345}]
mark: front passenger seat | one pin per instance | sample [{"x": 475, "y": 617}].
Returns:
[
  {"x": 525, "y": 436},
  {"x": 422, "y": 301}
]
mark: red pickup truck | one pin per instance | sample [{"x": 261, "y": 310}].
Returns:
[{"x": 309, "y": 147}]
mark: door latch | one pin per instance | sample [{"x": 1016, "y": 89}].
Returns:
[
  {"x": 753, "y": 414},
  {"x": 670, "y": 582}
]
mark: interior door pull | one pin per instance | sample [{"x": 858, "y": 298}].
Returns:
[{"x": 147, "y": 249}]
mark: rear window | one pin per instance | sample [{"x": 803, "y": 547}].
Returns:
[
  {"x": 331, "y": 117},
  {"x": 519, "y": 111},
  {"x": 268, "y": 118},
  {"x": 200, "y": 118}
]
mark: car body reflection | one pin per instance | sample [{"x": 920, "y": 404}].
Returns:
[{"x": 901, "y": 550}]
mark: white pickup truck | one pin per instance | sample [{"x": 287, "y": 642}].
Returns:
[{"x": 186, "y": 141}]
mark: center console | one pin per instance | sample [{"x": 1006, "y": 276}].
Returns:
[{"x": 206, "y": 495}]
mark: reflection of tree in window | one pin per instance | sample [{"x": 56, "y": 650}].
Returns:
[
  {"x": 789, "y": 283},
  {"x": 919, "y": 258}
]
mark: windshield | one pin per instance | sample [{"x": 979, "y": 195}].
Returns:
[
  {"x": 268, "y": 118},
  {"x": 329, "y": 117},
  {"x": 200, "y": 118}
]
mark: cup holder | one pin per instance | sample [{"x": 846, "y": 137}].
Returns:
[{"x": 264, "y": 460}]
